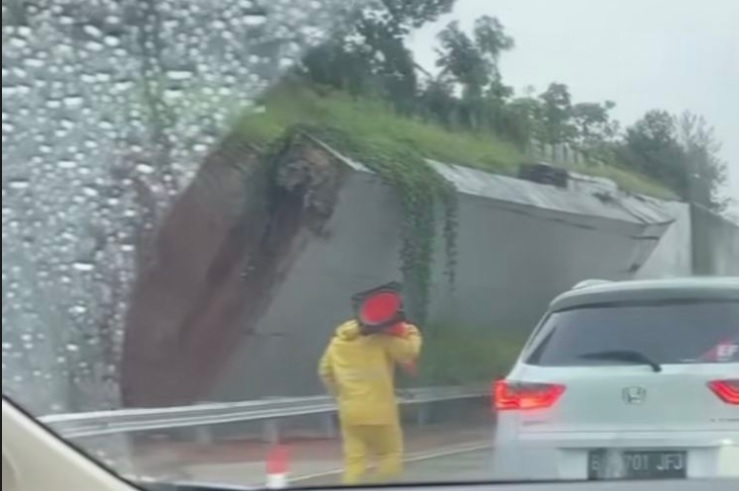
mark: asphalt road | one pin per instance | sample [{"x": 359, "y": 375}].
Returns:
[
  {"x": 462, "y": 467},
  {"x": 469, "y": 466},
  {"x": 474, "y": 467}
]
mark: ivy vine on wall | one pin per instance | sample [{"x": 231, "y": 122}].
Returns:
[{"x": 429, "y": 205}]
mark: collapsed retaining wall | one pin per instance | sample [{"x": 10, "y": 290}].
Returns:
[
  {"x": 519, "y": 244},
  {"x": 267, "y": 294}
]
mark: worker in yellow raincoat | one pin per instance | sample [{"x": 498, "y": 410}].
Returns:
[{"x": 359, "y": 369}]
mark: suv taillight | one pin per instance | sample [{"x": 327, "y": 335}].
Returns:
[
  {"x": 727, "y": 390},
  {"x": 523, "y": 396}
]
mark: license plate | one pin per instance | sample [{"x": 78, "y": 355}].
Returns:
[{"x": 637, "y": 465}]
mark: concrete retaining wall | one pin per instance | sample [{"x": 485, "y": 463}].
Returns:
[
  {"x": 520, "y": 244},
  {"x": 715, "y": 244}
]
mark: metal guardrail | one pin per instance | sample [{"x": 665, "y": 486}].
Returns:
[{"x": 203, "y": 416}]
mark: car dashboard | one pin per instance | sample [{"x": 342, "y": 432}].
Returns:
[{"x": 691, "y": 485}]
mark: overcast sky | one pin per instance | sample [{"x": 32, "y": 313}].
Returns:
[{"x": 643, "y": 54}]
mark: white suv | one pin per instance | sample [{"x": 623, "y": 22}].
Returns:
[{"x": 626, "y": 380}]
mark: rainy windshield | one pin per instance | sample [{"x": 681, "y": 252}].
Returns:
[{"x": 327, "y": 228}]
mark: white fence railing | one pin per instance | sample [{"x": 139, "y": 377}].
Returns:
[{"x": 268, "y": 411}]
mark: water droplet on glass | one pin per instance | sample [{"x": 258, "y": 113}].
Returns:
[
  {"x": 67, "y": 164},
  {"x": 91, "y": 192},
  {"x": 17, "y": 43},
  {"x": 180, "y": 75},
  {"x": 75, "y": 71},
  {"x": 255, "y": 20},
  {"x": 74, "y": 102},
  {"x": 112, "y": 41},
  {"x": 33, "y": 63},
  {"x": 78, "y": 310},
  {"x": 83, "y": 267},
  {"x": 24, "y": 31},
  {"x": 145, "y": 169},
  {"x": 19, "y": 184}
]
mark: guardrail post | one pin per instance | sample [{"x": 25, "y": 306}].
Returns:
[
  {"x": 203, "y": 435},
  {"x": 272, "y": 431},
  {"x": 330, "y": 426},
  {"x": 423, "y": 414}
]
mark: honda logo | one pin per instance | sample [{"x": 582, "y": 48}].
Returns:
[{"x": 635, "y": 395}]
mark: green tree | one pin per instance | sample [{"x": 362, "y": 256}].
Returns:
[
  {"x": 525, "y": 126},
  {"x": 557, "y": 115},
  {"x": 596, "y": 130},
  {"x": 438, "y": 103},
  {"x": 593, "y": 122},
  {"x": 651, "y": 147},
  {"x": 369, "y": 55},
  {"x": 470, "y": 64},
  {"x": 680, "y": 152},
  {"x": 473, "y": 61},
  {"x": 706, "y": 173}
]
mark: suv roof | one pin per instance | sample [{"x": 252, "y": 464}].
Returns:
[{"x": 599, "y": 292}]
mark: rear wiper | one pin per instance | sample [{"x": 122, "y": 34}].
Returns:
[{"x": 626, "y": 356}]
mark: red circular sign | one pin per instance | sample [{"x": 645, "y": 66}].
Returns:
[{"x": 380, "y": 308}]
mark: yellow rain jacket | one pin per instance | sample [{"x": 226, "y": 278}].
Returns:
[{"x": 360, "y": 371}]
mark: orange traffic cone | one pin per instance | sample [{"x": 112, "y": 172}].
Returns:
[{"x": 278, "y": 467}]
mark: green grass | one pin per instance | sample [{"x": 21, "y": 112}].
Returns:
[
  {"x": 373, "y": 125},
  {"x": 630, "y": 181},
  {"x": 372, "y": 128},
  {"x": 459, "y": 355}
]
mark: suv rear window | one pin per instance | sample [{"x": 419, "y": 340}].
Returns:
[{"x": 667, "y": 333}]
